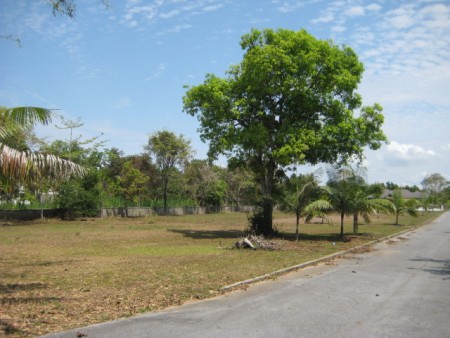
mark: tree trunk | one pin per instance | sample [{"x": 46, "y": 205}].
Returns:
[
  {"x": 165, "y": 185},
  {"x": 342, "y": 225},
  {"x": 355, "y": 223},
  {"x": 396, "y": 218},
  {"x": 266, "y": 173},
  {"x": 296, "y": 227},
  {"x": 266, "y": 226}
]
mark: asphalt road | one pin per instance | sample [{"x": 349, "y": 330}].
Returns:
[{"x": 400, "y": 289}]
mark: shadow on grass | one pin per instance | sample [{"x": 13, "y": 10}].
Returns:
[
  {"x": 50, "y": 263},
  {"x": 9, "y": 288},
  {"x": 8, "y": 328},
  {"x": 28, "y": 300},
  {"x": 209, "y": 234},
  {"x": 311, "y": 237},
  {"x": 224, "y": 234}
]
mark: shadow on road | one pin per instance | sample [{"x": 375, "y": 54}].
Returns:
[{"x": 442, "y": 268}]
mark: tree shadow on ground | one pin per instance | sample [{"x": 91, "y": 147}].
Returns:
[
  {"x": 10, "y": 288},
  {"x": 209, "y": 234},
  {"x": 9, "y": 328},
  {"x": 226, "y": 234},
  {"x": 28, "y": 300},
  {"x": 442, "y": 270},
  {"x": 50, "y": 263},
  {"x": 327, "y": 237},
  {"x": 7, "y": 291}
]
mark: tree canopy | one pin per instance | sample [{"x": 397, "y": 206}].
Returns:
[
  {"x": 291, "y": 100},
  {"x": 169, "y": 151},
  {"x": 434, "y": 182}
]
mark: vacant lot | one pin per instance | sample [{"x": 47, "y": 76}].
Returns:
[{"x": 56, "y": 275}]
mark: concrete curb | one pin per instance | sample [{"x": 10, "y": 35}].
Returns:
[{"x": 315, "y": 261}]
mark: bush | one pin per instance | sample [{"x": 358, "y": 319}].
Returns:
[{"x": 80, "y": 197}]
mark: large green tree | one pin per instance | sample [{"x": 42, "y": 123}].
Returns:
[
  {"x": 170, "y": 152},
  {"x": 291, "y": 100}
]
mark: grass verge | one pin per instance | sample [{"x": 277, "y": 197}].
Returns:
[{"x": 58, "y": 275}]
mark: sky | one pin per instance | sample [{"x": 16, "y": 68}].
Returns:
[{"x": 122, "y": 69}]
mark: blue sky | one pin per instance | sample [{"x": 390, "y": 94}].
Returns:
[{"x": 122, "y": 69}]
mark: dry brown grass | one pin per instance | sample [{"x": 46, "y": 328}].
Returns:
[{"x": 57, "y": 275}]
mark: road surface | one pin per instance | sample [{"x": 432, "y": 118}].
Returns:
[{"x": 400, "y": 289}]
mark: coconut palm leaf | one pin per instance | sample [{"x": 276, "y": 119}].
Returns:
[
  {"x": 318, "y": 206},
  {"x": 26, "y": 166},
  {"x": 30, "y": 167},
  {"x": 29, "y": 115},
  {"x": 14, "y": 119}
]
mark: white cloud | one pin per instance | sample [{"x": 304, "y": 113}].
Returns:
[
  {"x": 373, "y": 7},
  {"x": 139, "y": 16},
  {"x": 407, "y": 56},
  {"x": 338, "y": 28},
  {"x": 212, "y": 8},
  {"x": 290, "y": 6},
  {"x": 355, "y": 11},
  {"x": 401, "y": 17},
  {"x": 169, "y": 14},
  {"x": 407, "y": 154},
  {"x": 328, "y": 17},
  {"x": 175, "y": 29},
  {"x": 158, "y": 71}
]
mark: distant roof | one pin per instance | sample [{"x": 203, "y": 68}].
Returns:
[{"x": 405, "y": 193}]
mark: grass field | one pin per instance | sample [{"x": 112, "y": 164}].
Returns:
[{"x": 57, "y": 275}]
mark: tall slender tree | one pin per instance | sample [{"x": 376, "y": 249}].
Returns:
[{"x": 169, "y": 152}]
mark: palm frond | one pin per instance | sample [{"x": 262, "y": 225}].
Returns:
[
  {"x": 381, "y": 205},
  {"x": 24, "y": 116},
  {"x": 30, "y": 167},
  {"x": 321, "y": 205}
]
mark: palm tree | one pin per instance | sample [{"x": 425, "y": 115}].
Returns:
[
  {"x": 403, "y": 205},
  {"x": 339, "y": 195},
  {"x": 299, "y": 192},
  {"x": 25, "y": 166},
  {"x": 366, "y": 204},
  {"x": 348, "y": 194}
]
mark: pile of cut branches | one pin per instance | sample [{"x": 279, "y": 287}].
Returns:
[{"x": 255, "y": 242}]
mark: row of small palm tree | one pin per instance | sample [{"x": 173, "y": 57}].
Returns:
[{"x": 346, "y": 192}]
